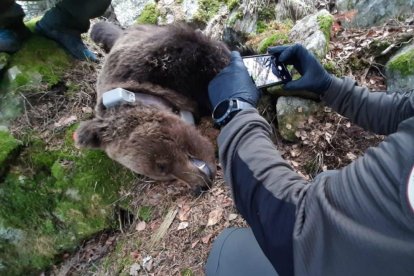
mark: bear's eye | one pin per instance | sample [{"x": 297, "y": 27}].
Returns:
[{"x": 162, "y": 167}]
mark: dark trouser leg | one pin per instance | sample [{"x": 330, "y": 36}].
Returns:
[
  {"x": 12, "y": 29},
  {"x": 236, "y": 252},
  {"x": 11, "y": 15},
  {"x": 74, "y": 15}
]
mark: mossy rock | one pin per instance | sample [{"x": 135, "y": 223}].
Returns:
[
  {"x": 400, "y": 70},
  {"x": 325, "y": 22},
  {"x": 149, "y": 14},
  {"x": 291, "y": 113},
  {"x": 54, "y": 199}
]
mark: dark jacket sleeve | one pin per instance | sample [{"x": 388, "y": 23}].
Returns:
[
  {"x": 359, "y": 211},
  {"x": 375, "y": 111}
]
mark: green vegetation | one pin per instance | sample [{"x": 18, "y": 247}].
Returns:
[
  {"x": 8, "y": 145},
  {"x": 325, "y": 24},
  {"x": 231, "y": 4},
  {"x": 266, "y": 13},
  {"x": 149, "y": 14},
  {"x": 187, "y": 272},
  {"x": 39, "y": 60},
  {"x": 207, "y": 9},
  {"x": 275, "y": 39},
  {"x": 145, "y": 213},
  {"x": 403, "y": 63}
]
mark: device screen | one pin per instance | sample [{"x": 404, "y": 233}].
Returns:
[{"x": 265, "y": 71}]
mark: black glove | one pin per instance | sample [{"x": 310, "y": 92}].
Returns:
[
  {"x": 233, "y": 82},
  {"x": 314, "y": 76}
]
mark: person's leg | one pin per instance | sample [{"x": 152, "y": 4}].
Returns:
[
  {"x": 236, "y": 252},
  {"x": 67, "y": 20},
  {"x": 12, "y": 29}
]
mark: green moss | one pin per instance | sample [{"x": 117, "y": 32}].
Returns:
[
  {"x": 8, "y": 145},
  {"x": 39, "y": 58},
  {"x": 403, "y": 63},
  {"x": 56, "y": 199},
  {"x": 231, "y": 4},
  {"x": 261, "y": 27},
  {"x": 145, "y": 213},
  {"x": 266, "y": 13},
  {"x": 325, "y": 25},
  {"x": 187, "y": 272},
  {"x": 149, "y": 14},
  {"x": 207, "y": 9},
  {"x": 332, "y": 67},
  {"x": 277, "y": 38}
]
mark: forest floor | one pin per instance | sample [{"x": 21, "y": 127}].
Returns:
[{"x": 138, "y": 247}]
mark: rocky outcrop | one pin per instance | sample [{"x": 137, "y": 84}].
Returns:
[{"x": 375, "y": 12}]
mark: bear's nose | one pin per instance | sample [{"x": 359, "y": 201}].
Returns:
[{"x": 203, "y": 167}]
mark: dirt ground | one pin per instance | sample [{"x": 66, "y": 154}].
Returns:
[{"x": 137, "y": 246}]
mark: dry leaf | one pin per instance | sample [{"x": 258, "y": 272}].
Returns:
[
  {"x": 141, "y": 226},
  {"x": 214, "y": 217},
  {"x": 232, "y": 217},
  {"x": 184, "y": 212},
  {"x": 194, "y": 244},
  {"x": 65, "y": 121},
  {"x": 351, "y": 156},
  {"x": 206, "y": 239},
  {"x": 182, "y": 225}
]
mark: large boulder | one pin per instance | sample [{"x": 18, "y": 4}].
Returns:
[
  {"x": 313, "y": 31},
  {"x": 400, "y": 70},
  {"x": 51, "y": 200},
  {"x": 375, "y": 12}
]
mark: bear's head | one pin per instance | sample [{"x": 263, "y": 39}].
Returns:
[{"x": 153, "y": 143}]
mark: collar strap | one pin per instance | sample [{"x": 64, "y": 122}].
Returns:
[{"x": 119, "y": 96}]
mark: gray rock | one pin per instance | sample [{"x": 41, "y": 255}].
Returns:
[
  {"x": 190, "y": 8},
  {"x": 375, "y": 12},
  {"x": 309, "y": 33},
  {"x": 127, "y": 11},
  {"x": 291, "y": 113},
  {"x": 400, "y": 70}
]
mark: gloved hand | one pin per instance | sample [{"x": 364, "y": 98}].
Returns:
[
  {"x": 233, "y": 82},
  {"x": 314, "y": 77}
]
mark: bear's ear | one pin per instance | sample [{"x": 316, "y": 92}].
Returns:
[{"x": 89, "y": 134}]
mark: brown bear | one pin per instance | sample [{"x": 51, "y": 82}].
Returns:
[{"x": 168, "y": 69}]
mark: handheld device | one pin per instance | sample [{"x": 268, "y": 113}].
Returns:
[{"x": 266, "y": 70}]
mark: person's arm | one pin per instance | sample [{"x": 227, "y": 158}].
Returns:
[
  {"x": 376, "y": 111},
  {"x": 265, "y": 188}
]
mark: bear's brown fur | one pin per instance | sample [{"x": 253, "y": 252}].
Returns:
[{"x": 172, "y": 62}]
